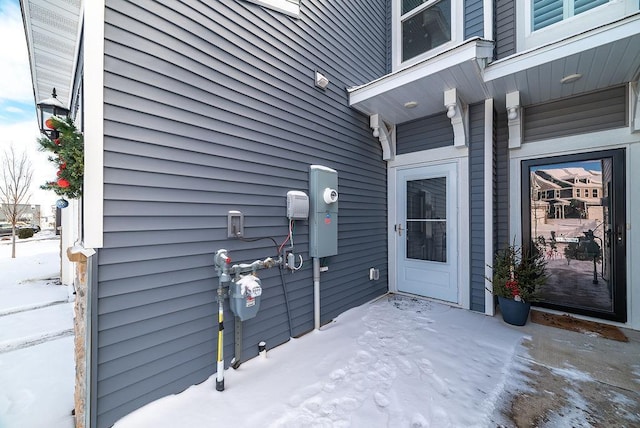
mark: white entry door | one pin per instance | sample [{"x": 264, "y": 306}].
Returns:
[{"x": 426, "y": 231}]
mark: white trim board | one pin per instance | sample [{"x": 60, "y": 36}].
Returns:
[{"x": 93, "y": 195}]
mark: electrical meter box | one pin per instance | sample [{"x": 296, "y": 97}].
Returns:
[
  {"x": 244, "y": 296},
  {"x": 323, "y": 222}
]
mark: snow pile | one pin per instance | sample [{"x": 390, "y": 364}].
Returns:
[{"x": 395, "y": 362}]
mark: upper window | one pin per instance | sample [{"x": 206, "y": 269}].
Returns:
[
  {"x": 421, "y": 28},
  {"x": 540, "y": 22},
  {"x": 547, "y": 12},
  {"x": 290, "y": 7},
  {"x": 425, "y": 25}
]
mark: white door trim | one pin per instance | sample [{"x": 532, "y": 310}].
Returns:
[{"x": 432, "y": 158}]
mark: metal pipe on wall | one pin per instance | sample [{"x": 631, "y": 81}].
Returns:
[{"x": 316, "y": 291}]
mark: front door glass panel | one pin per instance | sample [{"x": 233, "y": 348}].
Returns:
[
  {"x": 427, "y": 219},
  {"x": 575, "y": 215}
]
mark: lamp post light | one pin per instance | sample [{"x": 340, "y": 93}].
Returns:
[{"x": 48, "y": 108}]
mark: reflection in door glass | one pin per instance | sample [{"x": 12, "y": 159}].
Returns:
[
  {"x": 427, "y": 219},
  {"x": 570, "y": 222}
]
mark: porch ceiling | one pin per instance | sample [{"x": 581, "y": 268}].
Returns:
[
  {"x": 52, "y": 30},
  {"x": 425, "y": 83},
  {"x": 605, "y": 56}
]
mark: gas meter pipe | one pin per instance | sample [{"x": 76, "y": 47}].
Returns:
[{"x": 220, "y": 367}]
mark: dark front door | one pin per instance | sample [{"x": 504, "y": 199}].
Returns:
[{"x": 574, "y": 211}]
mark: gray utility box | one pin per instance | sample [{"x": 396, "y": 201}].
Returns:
[
  {"x": 244, "y": 296},
  {"x": 323, "y": 222}
]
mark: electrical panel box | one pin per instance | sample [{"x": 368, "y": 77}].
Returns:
[
  {"x": 323, "y": 222},
  {"x": 297, "y": 205}
]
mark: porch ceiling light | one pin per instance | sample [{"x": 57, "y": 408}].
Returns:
[
  {"x": 411, "y": 104},
  {"x": 571, "y": 78},
  {"x": 47, "y": 108}
]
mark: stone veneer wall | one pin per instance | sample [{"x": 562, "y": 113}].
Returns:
[{"x": 80, "y": 324}]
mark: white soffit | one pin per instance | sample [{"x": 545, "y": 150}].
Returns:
[
  {"x": 52, "y": 30},
  {"x": 605, "y": 56},
  {"x": 425, "y": 82}
]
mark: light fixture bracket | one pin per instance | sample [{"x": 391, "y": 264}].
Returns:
[
  {"x": 514, "y": 119},
  {"x": 458, "y": 113},
  {"x": 385, "y": 134}
]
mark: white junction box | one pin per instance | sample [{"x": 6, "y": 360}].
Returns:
[{"x": 297, "y": 205}]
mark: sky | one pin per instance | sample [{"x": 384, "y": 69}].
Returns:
[{"x": 18, "y": 125}]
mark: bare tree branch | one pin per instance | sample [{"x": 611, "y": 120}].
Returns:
[{"x": 15, "y": 188}]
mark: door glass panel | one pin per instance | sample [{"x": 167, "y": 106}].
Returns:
[
  {"x": 427, "y": 219},
  {"x": 571, "y": 222}
]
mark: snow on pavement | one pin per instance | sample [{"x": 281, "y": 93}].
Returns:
[
  {"x": 27, "y": 281},
  {"x": 392, "y": 363},
  {"x": 37, "y": 369}
]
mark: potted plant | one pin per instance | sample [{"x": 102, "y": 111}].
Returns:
[{"x": 517, "y": 278}]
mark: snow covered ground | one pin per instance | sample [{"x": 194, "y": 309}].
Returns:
[
  {"x": 36, "y": 337},
  {"x": 396, "y": 362}
]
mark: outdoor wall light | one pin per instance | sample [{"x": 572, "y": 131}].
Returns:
[
  {"x": 48, "y": 108},
  {"x": 512, "y": 113},
  {"x": 321, "y": 80}
]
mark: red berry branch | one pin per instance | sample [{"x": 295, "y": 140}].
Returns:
[{"x": 67, "y": 155}]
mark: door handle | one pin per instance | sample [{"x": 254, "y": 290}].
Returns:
[
  {"x": 398, "y": 228},
  {"x": 620, "y": 233}
]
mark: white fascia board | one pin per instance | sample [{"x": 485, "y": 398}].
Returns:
[
  {"x": 93, "y": 195},
  {"x": 469, "y": 50},
  {"x": 606, "y": 34}
]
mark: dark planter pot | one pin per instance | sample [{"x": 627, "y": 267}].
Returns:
[{"x": 514, "y": 313}]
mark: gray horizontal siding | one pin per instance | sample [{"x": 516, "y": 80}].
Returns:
[
  {"x": 424, "y": 134},
  {"x": 501, "y": 184},
  {"x": 596, "y": 111},
  {"x": 473, "y": 19},
  {"x": 476, "y": 206},
  {"x": 210, "y": 107},
  {"x": 505, "y": 28}
]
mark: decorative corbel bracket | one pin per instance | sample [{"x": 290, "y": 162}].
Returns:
[
  {"x": 634, "y": 100},
  {"x": 458, "y": 113},
  {"x": 514, "y": 119},
  {"x": 385, "y": 134}
]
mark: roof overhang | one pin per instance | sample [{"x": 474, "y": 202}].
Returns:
[
  {"x": 605, "y": 56},
  {"x": 425, "y": 82},
  {"x": 52, "y": 30}
]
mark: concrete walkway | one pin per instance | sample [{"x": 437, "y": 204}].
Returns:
[{"x": 572, "y": 380}]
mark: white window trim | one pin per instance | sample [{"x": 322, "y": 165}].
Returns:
[
  {"x": 284, "y": 6},
  {"x": 396, "y": 29},
  {"x": 596, "y": 17}
]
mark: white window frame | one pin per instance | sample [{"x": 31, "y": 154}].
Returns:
[
  {"x": 396, "y": 27},
  {"x": 291, "y": 8},
  {"x": 572, "y": 25}
]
